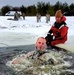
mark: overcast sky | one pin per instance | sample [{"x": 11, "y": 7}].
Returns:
[{"x": 30, "y": 2}]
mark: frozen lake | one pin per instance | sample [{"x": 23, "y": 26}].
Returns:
[{"x": 17, "y": 37}]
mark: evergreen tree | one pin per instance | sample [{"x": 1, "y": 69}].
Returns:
[{"x": 5, "y": 9}]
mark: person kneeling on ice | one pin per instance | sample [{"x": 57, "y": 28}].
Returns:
[
  {"x": 40, "y": 49},
  {"x": 58, "y": 32}
]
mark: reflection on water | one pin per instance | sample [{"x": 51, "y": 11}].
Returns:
[{"x": 55, "y": 62}]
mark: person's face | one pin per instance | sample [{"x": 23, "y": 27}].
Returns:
[
  {"x": 41, "y": 44},
  {"x": 58, "y": 19}
]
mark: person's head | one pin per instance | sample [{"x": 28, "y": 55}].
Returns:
[
  {"x": 58, "y": 15},
  {"x": 41, "y": 43}
]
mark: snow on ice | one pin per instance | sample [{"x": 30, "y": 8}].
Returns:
[{"x": 24, "y": 32}]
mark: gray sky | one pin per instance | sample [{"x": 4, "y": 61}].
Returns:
[{"x": 30, "y": 2}]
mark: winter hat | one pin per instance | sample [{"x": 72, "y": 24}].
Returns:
[{"x": 58, "y": 13}]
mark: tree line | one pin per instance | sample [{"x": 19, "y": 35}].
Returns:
[{"x": 41, "y": 8}]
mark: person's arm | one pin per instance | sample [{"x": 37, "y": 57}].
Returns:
[
  {"x": 51, "y": 29},
  {"x": 19, "y": 60},
  {"x": 64, "y": 31}
]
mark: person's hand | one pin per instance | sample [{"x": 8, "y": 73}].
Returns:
[{"x": 16, "y": 62}]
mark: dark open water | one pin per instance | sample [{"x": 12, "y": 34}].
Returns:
[{"x": 7, "y": 53}]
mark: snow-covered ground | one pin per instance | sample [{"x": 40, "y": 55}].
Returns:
[{"x": 25, "y": 32}]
